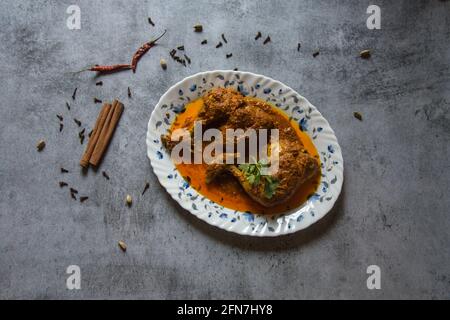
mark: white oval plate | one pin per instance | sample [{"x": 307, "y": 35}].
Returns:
[{"x": 283, "y": 97}]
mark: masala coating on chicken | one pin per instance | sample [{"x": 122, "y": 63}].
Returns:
[{"x": 225, "y": 108}]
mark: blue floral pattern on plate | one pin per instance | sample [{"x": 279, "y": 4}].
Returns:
[{"x": 295, "y": 106}]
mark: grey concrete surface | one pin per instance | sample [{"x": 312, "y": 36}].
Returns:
[{"x": 394, "y": 208}]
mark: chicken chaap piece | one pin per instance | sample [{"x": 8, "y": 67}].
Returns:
[{"x": 228, "y": 109}]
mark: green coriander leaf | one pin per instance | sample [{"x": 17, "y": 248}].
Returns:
[{"x": 270, "y": 187}]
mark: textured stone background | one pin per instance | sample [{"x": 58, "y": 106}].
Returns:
[{"x": 394, "y": 208}]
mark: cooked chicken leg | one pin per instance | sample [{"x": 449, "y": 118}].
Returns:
[
  {"x": 296, "y": 166},
  {"x": 228, "y": 109}
]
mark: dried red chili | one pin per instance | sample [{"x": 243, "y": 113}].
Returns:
[
  {"x": 107, "y": 68},
  {"x": 142, "y": 50},
  {"x": 110, "y": 68}
]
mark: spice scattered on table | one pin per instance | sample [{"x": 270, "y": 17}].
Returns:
[
  {"x": 204, "y": 42},
  {"x": 219, "y": 44},
  {"x": 73, "y": 193},
  {"x": 63, "y": 184},
  {"x": 40, "y": 145},
  {"x": 187, "y": 58},
  {"x": 68, "y": 106},
  {"x": 83, "y": 199},
  {"x": 74, "y": 94},
  {"x": 63, "y": 170},
  {"x": 223, "y": 38},
  {"x": 358, "y": 115},
  {"x": 105, "y": 175},
  {"x": 103, "y": 131},
  {"x": 78, "y": 122},
  {"x": 365, "y": 54},
  {"x": 129, "y": 92},
  {"x": 108, "y": 68},
  {"x": 99, "y": 83},
  {"x": 173, "y": 54},
  {"x": 267, "y": 40},
  {"x": 229, "y": 55},
  {"x": 258, "y": 35},
  {"x": 163, "y": 64},
  {"x": 97, "y": 100},
  {"x": 61, "y": 127},
  {"x": 81, "y": 135},
  {"x": 150, "y": 22},
  {"x": 143, "y": 50},
  {"x": 198, "y": 28},
  {"x": 122, "y": 246},
  {"x": 128, "y": 200},
  {"x": 299, "y": 45},
  {"x": 147, "y": 185},
  {"x": 315, "y": 54},
  {"x": 181, "y": 48},
  {"x": 60, "y": 117}
]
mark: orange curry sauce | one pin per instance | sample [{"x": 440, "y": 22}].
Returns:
[{"x": 227, "y": 191}]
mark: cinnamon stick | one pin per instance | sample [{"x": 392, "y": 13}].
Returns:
[
  {"x": 106, "y": 133},
  {"x": 84, "y": 162}
]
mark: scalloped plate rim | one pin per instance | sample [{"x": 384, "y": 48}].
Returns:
[{"x": 218, "y": 225}]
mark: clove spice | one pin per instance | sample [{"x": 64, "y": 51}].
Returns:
[
  {"x": 74, "y": 94},
  {"x": 105, "y": 175},
  {"x": 78, "y": 122},
  {"x": 147, "y": 185},
  {"x": 187, "y": 59},
  {"x": 223, "y": 38},
  {"x": 81, "y": 135}
]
